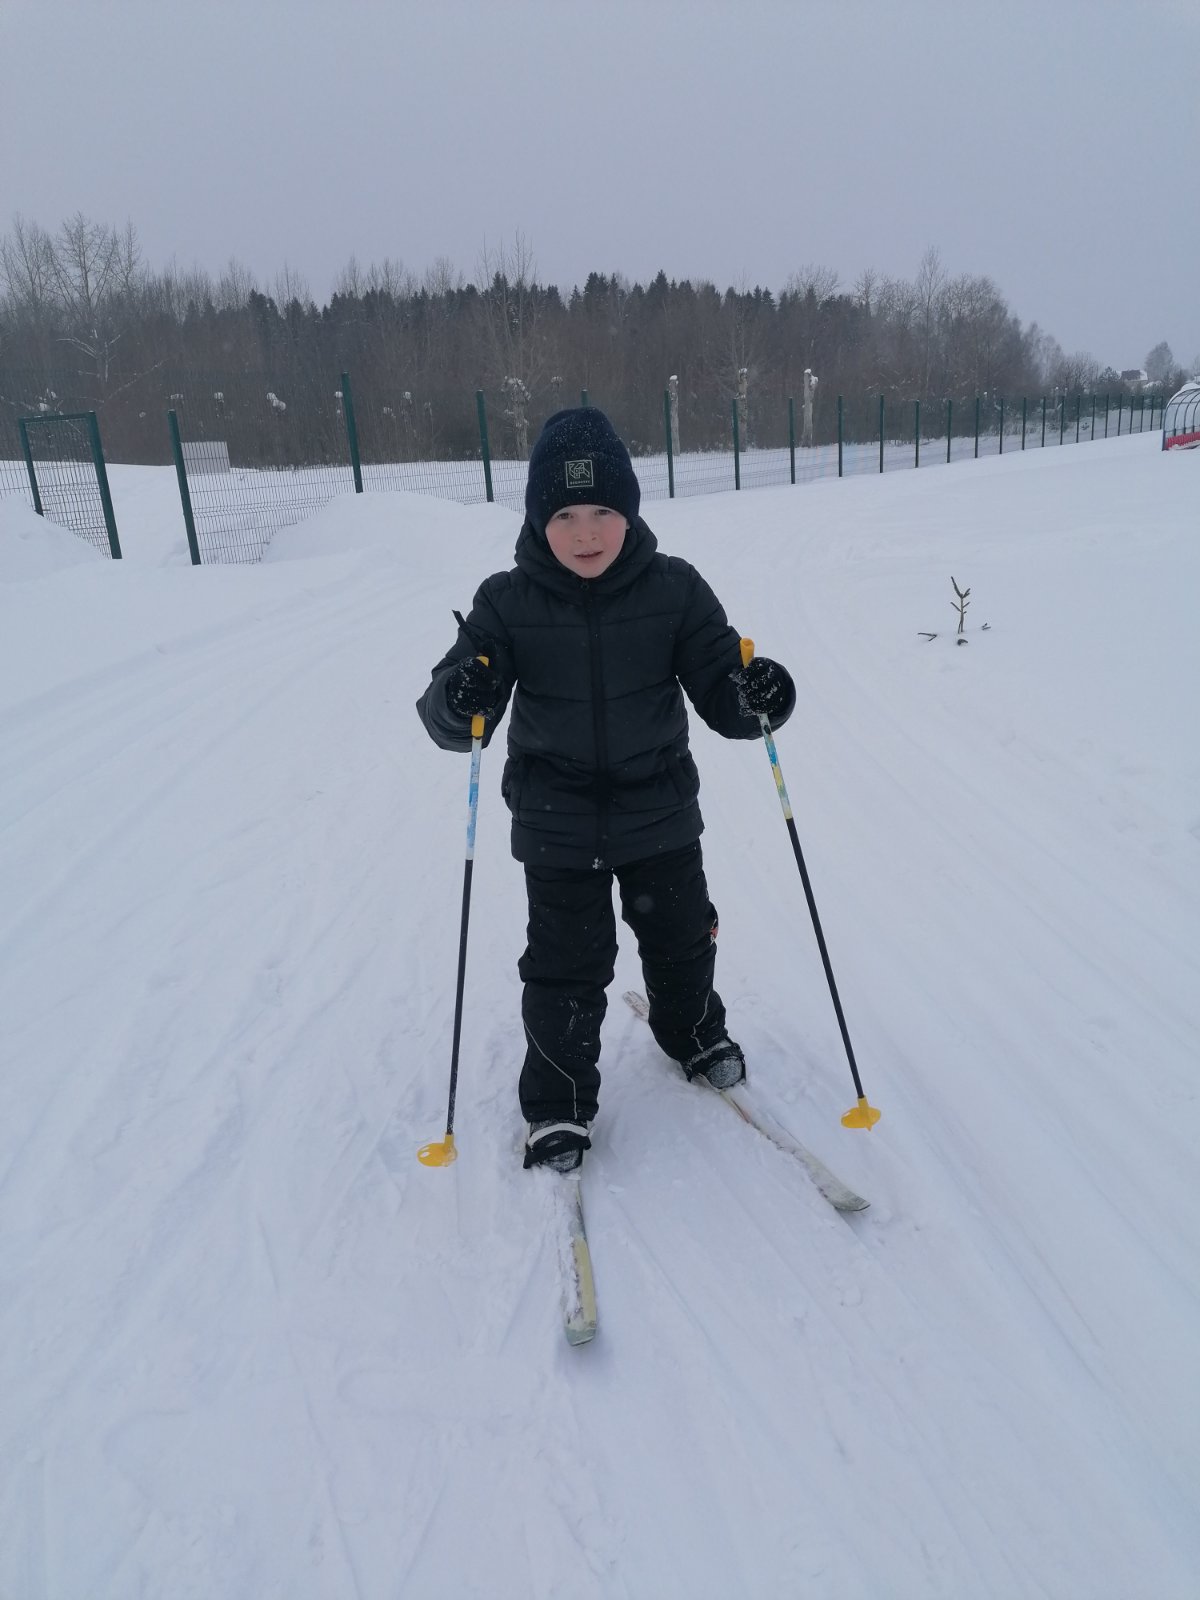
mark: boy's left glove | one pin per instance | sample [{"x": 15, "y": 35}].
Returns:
[
  {"x": 763, "y": 686},
  {"x": 473, "y": 688}
]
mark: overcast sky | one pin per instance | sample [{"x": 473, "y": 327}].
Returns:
[{"x": 1052, "y": 146}]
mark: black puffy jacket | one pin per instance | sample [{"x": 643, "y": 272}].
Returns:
[{"x": 599, "y": 772}]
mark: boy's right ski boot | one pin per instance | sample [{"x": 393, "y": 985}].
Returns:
[
  {"x": 558, "y": 1145},
  {"x": 722, "y": 1065}
]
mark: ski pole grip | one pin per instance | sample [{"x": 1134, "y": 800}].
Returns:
[
  {"x": 477, "y": 722},
  {"x": 747, "y": 648}
]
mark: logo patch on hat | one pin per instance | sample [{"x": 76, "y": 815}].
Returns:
[{"x": 579, "y": 474}]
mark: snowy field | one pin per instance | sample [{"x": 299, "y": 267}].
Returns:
[{"x": 251, "y": 1349}]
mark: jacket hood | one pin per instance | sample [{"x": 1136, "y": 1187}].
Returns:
[{"x": 535, "y": 558}]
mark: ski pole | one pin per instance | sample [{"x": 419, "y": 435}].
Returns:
[
  {"x": 441, "y": 1152},
  {"x": 862, "y": 1115}
]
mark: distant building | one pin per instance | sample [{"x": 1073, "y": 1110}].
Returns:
[{"x": 1135, "y": 378}]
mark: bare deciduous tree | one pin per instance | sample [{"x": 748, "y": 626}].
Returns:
[
  {"x": 1074, "y": 374},
  {"x": 27, "y": 265},
  {"x": 291, "y": 288},
  {"x": 510, "y": 312},
  {"x": 234, "y": 287},
  {"x": 93, "y": 268},
  {"x": 864, "y": 289},
  {"x": 928, "y": 289}
]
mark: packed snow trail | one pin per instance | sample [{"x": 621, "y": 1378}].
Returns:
[{"x": 249, "y": 1345}]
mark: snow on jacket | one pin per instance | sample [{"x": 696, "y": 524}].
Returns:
[{"x": 599, "y": 771}]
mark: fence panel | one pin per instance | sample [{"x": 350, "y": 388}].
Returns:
[
  {"x": 14, "y": 477},
  {"x": 70, "y": 482},
  {"x": 261, "y": 452},
  {"x": 263, "y": 449},
  {"x": 408, "y": 440}
]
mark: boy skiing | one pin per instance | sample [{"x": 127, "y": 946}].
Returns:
[{"x": 592, "y": 634}]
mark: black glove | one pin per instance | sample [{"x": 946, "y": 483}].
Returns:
[
  {"x": 763, "y": 686},
  {"x": 473, "y": 688}
]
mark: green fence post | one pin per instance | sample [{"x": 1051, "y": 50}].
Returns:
[
  {"x": 29, "y": 468},
  {"x": 667, "y": 434},
  {"x": 917, "y": 432},
  {"x": 352, "y": 431},
  {"x": 840, "y": 435},
  {"x": 881, "y": 433},
  {"x": 583, "y": 398},
  {"x": 792, "y": 434},
  {"x": 977, "y": 427},
  {"x": 737, "y": 448},
  {"x": 110, "y": 521},
  {"x": 1002, "y": 425},
  {"x": 1043, "y": 422},
  {"x": 1142, "y": 414},
  {"x": 1078, "y": 408},
  {"x": 949, "y": 427},
  {"x": 481, "y": 413},
  {"x": 1120, "y": 412},
  {"x": 1092, "y": 435},
  {"x": 1024, "y": 414},
  {"x": 1062, "y": 416},
  {"x": 185, "y": 494}
]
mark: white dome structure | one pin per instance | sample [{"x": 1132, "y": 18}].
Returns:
[{"x": 1181, "y": 417}]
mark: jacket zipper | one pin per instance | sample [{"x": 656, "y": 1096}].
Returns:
[{"x": 603, "y": 791}]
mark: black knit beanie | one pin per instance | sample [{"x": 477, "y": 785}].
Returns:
[{"x": 579, "y": 460}]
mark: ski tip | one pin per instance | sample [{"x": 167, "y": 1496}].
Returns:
[{"x": 637, "y": 1003}]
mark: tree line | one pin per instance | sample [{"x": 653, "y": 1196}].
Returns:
[{"x": 86, "y": 323}]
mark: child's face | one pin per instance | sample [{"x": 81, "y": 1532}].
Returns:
[{"x": 586, "y": 539}]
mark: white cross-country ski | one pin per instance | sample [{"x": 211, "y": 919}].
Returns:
[
  {"x": 839, "y": 1195},
  {"x": 574, "y": 1257}
]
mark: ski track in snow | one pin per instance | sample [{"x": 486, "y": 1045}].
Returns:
[{"x": 250, "y": 1346}]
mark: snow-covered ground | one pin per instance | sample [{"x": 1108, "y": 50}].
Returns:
[{"x": 249, "y": 1347}]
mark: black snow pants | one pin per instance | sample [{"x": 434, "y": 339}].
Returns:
[{"x": 570, "y": 961}]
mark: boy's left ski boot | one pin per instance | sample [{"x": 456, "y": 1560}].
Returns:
[
  {"x": 559, "y": 1145},
  {"x": 722, "y": 1065}
]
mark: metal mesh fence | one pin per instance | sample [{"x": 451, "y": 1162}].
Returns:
[
  {"x": 402, "y": 440},
  {"x": 72, "y": 485},
  {"x": 264, "y": 449},
  {"x": 14, "y": 479},
  {"x": 261, "y": 453},
  {"x": 908, "y": 434},
  {"x": 20, "y": 395}
]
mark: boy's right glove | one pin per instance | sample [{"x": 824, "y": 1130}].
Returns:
[
  {"x": 763, "y": 686},
  {"x": 473, "y": 688}
]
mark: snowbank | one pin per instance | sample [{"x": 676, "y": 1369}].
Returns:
[{"x": 31, "y": 547}]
